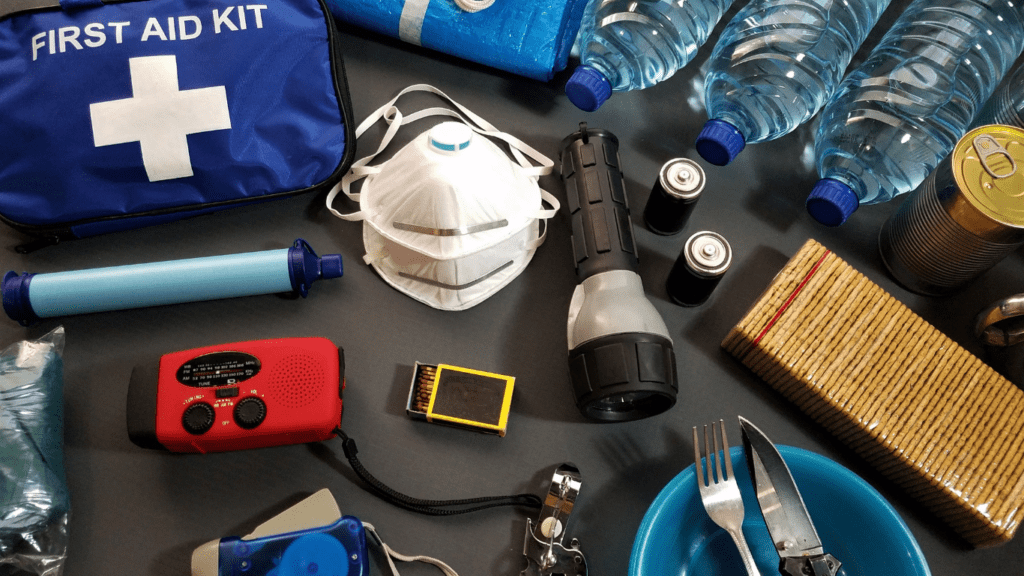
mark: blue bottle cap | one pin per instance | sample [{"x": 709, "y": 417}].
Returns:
[
  {"x": 304, "y": 267},
  {"x": 587, "y": 88},
  {"x": 831, "y": 202},
  {"x": 720, "y": 142},
  {"x": 15, "y": 298},
  {"x": 330, "y": 266}
]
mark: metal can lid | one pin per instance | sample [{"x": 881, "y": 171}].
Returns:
[
  {"x": 682, "y": 178},
  {"x": 708, "y": 254},
  {"x": 988, "y": 165}
]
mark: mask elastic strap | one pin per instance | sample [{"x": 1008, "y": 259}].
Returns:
[
  {"x": 539, "y": 240},
  {"x": 395, "y": 120},
  {"x": 479, "y": 125},
  {"x": 482, "y": 126},
  {"x": 552, "y": 201},
  {"x": 543, "y": 216},
  {"x": 359, "y": 169},
  {"x": 389, "y": 554},
  {"x": 487, "y": 129}
]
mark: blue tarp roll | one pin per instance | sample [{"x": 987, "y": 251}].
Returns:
[{"x": 531, "y": 38}]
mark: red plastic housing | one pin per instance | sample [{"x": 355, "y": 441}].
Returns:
[{"x": 245, "y": 395}]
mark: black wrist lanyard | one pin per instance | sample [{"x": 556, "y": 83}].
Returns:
[{"x": 430, "y": 507}]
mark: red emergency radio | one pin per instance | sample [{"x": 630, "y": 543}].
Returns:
[{"x": 238, "y": 396}]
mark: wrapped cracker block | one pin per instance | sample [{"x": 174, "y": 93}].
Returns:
[{"x": 921, "y": 409}]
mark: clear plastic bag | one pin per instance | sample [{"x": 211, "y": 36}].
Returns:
[{"x": 34, "y": 500}]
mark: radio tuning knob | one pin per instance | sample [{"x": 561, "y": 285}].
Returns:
[
  {"x": 250, "y": 412},
  {"x": 198, "y": 418}
]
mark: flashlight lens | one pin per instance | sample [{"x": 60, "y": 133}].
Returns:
[
  {"x": 621, "y": 401},
  {"x": 627, "y": 406},
  {"x": 623, "y": 377}
]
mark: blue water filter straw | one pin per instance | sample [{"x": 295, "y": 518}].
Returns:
[{"x": 30, "y": 297}]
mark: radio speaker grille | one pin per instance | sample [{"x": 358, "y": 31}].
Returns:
[{"x": 298, "y": 381}]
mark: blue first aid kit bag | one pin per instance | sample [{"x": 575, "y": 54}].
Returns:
[{"x": 133, "y": 112}]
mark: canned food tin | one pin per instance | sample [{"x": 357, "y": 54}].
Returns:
[
  {"x": 698, "y": 270},
  {"x": 965, "y": 217},
  {"x": 675, "y": 194}
]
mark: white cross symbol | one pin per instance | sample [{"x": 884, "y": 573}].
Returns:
[{"x": 160, "y": 117}]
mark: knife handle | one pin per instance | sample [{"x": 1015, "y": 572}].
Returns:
[{"x": 819, "y": 565}]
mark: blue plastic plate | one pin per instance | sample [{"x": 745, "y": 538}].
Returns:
[{"x": 854, "y": 521}]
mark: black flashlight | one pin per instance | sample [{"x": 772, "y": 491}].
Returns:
[{"x": 621, "y": 360}]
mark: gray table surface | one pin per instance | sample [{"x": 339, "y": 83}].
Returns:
[{"x": 143, "y": 512}]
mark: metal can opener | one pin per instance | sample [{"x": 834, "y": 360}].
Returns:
[{"x": 543, "y": 548}]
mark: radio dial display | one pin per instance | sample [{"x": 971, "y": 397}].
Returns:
[{"x": 218, "y": 369}]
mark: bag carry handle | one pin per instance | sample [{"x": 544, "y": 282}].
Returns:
[
  {"x": 414, "y": 12},
  {"x": 474, "y": 5},
  {"x": 395, "y": 120}
]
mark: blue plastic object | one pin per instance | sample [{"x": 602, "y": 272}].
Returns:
[
  {"x": 896, "y": 116},
  {"x": 719, "y": 142},
  {"x": 587, "y": 88},
  {"x": 531, "y": 38},
  {"x": 305, "y": 267},
  {"x": 855, "y": 523},
  {"x": 309, "y": 555},
  {"x": 776, "y": 64},
  {"x": 29, "y": 297},
  {"x": 634, "y": 44},
  {"x": 831, "y": 202},
  {"x": 338, "y": 549}
]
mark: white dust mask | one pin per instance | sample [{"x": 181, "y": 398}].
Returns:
[{"x": 450, "y": 219}]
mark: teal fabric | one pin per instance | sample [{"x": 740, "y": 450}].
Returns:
[{"x": 33, "y": 485}]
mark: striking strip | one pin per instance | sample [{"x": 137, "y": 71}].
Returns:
[{"x": 789, "y": 301}]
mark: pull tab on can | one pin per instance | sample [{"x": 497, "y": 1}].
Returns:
[
  {"x": 986, "y": 146},
  {"x": 963, "y": 219}
]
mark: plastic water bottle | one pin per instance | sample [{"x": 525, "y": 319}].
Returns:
[
  {"x": 774, "y": 67},
  {"x": 902, "y": 111},
  {"x": 1007, "y": 105},
  {"x": 634, "y": 44}
]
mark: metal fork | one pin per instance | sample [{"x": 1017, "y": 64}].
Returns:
[{"x": 721, "y": 494}]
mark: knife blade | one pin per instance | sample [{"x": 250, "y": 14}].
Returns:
[{"x": 789, "y": 524}]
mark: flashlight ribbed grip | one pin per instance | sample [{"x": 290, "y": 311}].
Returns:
[{"x": 602, "y": 234}]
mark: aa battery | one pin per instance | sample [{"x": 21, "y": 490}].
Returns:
[
  {"x": 964, "y": 219},
  {"x": 699, "y": 268},
  {"x": 674, "y": 196}
]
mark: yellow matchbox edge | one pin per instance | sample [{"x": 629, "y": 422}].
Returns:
[{"x": 506, "y": 402}]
